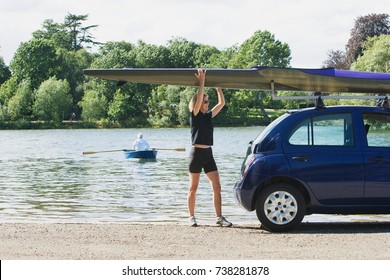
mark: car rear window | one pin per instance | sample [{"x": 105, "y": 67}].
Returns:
[
  {"x": 325, "y": 130},
  {"x": 377, "y": 128}
]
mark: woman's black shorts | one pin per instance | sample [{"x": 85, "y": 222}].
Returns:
[{"x": 201, "y": 158}]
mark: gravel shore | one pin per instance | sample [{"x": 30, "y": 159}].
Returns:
[{"x": 122, "y": 241}]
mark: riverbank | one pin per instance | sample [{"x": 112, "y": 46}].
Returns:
[
  {"x": 103, "y": 241},
  {"x": 22, "y": 125}
]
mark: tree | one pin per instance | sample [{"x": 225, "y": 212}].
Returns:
[
  {"x": 147, "y": 56},
  {"x": 68, "y": 39},
  {"x": 79, "y": 34},
  {"x": 70, "y": 67},
  {"x": 364, "y": 28},
  {"x": 119, "y": 109},
  {"x": 262, "y": 49},
  {"x": 71, "y": 35},
  {"x": 19, "y": 106},
  {"x": 181, "y": 53},
  {"x": 111, "y": 55},
  {"x": 125, "y": 109},
  {"x": 35, "y": 60},
  {"x": 163, "y": 104},
  {"x": 94, "y": 106},
  {"x": 53, "y": 101},
  {"x": 120, "y": 55},
  {"x": 203, "y": 55},
  {"x": 5, "y": 73},
  {"x": 183, "y": 112},
  {"x": 336, "y": 59},
  {"x": 55, "y": 32},
  {"x": 223, "y": 58},
  {"x": 7, "y": 90},
  {"x": 376, "y": 55}
]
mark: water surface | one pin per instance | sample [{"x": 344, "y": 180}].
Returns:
[{"x": 44, "y": 177}]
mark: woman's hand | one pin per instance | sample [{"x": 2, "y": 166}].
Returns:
[{"x": 201, "y": 76}]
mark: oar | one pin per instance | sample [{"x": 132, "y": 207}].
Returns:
[
  {"x": 111, "y": 151},
  {"x": 176, "y": 149},
  {"x": 95, "y": 152}
]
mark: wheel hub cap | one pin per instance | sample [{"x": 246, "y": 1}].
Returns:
[{"x": 280, "y": 207}]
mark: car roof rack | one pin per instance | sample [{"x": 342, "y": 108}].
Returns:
[
  {"x": 324, "y": 95},
  {"x": 383, "y": 103}
]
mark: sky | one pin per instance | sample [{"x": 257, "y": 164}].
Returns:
[{"x": 311, "y": 28}]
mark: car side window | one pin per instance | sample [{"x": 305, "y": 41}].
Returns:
[
  {"x": 377, "y": 128},
  {"x": 326, "y": 130}
]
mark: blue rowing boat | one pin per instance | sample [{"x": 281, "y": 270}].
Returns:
[{"x": 146, "y": 154}]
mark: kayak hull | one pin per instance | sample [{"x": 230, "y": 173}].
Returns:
[{"x": 147, "y": 154}]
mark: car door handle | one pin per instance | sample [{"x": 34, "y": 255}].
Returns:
[
  {"x": 377, "y": 159},
  {"x": 300, "y": 158}
]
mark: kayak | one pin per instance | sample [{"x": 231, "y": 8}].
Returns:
[{"x": 146, "y": 154}]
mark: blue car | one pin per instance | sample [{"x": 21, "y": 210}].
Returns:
[{"x": 330, "y": 160}]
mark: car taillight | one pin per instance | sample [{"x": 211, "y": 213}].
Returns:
[{"x": 248, "y": 163}]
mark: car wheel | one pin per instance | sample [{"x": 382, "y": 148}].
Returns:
[{"x": 280, "y": 207}]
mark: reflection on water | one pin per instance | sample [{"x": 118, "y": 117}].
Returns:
[{"x": 45, "y": 177}]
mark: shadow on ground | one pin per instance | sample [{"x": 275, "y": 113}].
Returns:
[{"x": 332, "y": 227}]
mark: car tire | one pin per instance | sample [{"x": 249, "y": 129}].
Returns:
[{"x": 280, "y": 207}]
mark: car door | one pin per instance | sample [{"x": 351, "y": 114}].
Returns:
[
  {"x": 377, "y": 158},
  {"x": 323, "y": 153}
]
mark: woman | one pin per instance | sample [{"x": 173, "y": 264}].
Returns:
[{"x": 201, "y": 155}]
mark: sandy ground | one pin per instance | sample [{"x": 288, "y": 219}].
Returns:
[{"x": 125, "y": 241}]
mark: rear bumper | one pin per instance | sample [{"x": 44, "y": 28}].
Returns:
[{"x": 242, "y": 196}]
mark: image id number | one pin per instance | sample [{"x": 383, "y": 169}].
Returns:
[{"x": 234, "y": 270}]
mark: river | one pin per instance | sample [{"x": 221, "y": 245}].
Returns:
[{"x": 45, "y": 177}]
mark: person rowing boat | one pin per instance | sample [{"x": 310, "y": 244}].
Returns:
[{"x": 140, "y": 144}]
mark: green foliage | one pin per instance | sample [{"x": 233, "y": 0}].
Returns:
[
  {"x": 7, "y": 90},
  {"x": 119, "y": 107},
  {"x": 150, "y": 56},
  {"x": 55, "y": 32},
  {"x": 19, "y": 105},
  {"x": 376, "y": 55},
  {"x": 115, "y": 55},
  {"x": 78, "y": 33},
  {"x": 262, "y": 49},
  {"x": 94, "y": 106},
  {"x": 129, "y": 106},
  {"x": 111, "y": 55},
  {"x": 223, "y": 58},
  {"x": 59, "y": 50},
  {"x": 70, "y": 67},
  {"x": 35, "y": 60},
  {"x": 203, "y": 56},
  {"x": 53, "y": 101},
  {"x": 70, "y": 35},
  {"x": 336, "y": 59},
  {"x": 181, "y": 53},
  {"x": 5, "y": 73},
  {"x": 169, "y": 105},
  {"x": 364, "y": 28},
  {"x": 3, "y": 114}
]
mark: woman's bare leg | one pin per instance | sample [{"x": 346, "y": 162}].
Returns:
[
  {"x": 194, "y": 182},
  {"x": 216, "y": 185}
]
